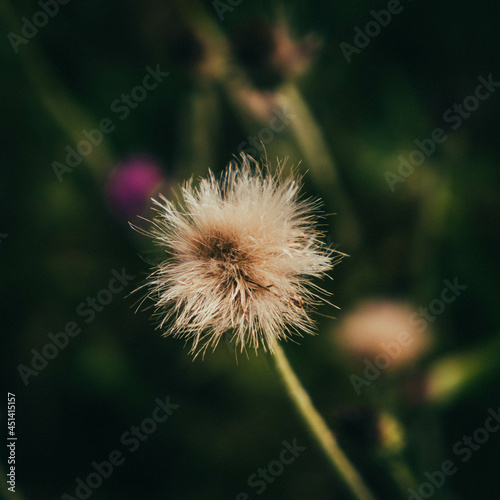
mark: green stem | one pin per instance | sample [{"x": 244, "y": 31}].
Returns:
[
  {"x": 305, "y": 132},
  {"x": 401, "y": 475},
  {"x": 56, "y": 99},
  {"x": 318, "y": 428},
  {"x": 324, "y": 172},
  {"x": 201, "y": 118}
]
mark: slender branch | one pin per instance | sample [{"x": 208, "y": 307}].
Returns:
[{"x": 317, "y": 427}]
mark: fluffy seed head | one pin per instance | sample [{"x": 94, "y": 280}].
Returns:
[{"x": 242, "y": 251}]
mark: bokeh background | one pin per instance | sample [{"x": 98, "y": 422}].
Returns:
[{"x": 233, "y": 66}]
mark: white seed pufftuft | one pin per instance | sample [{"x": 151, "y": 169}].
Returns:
[{"x": 242, "y": 252}]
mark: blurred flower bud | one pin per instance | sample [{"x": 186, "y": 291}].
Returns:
[
  {"x": 132, "y": 184},
  {"x": 389, "y": 334},
  {"x": 262, "y": 105},
  {"x": 268, "y": 53},
  {"x": 392, "y": 435}
]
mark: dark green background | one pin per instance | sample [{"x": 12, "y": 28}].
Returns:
[{"x": 63, "y": 241}]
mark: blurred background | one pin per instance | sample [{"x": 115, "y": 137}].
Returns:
[{"x": 104, "y": 104}]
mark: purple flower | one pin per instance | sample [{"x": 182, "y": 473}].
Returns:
[{"x": 132, "y": 184}]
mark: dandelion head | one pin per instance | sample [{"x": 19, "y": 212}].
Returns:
[{"x": 242, "y": 253}]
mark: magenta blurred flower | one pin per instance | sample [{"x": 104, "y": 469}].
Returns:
[{"x": 132, "y": 184}]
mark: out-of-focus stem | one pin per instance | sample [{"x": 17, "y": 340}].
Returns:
[
  {"x": 199, "y": 129},
  {"x": 56, "y": 100},
  {"x": 309, "y": 137},
  {"x": 304, "y": 129},
  {"x": 401, "y": 475}
]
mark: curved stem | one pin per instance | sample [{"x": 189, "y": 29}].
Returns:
[{"x": 318, "y": 428}]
